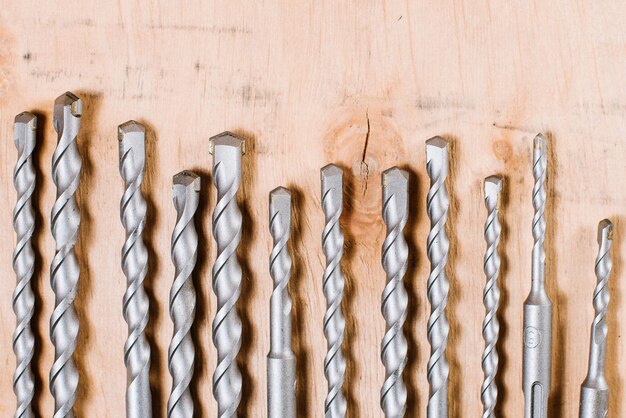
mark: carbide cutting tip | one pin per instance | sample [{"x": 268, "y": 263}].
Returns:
[
  {"x": 437, "y": 148},
  {"x": 605, "y": 231},
  {"x": 332, "y": 177},
  {"x": 28, "y": 119},
  {"x": 183, "y": 180},
  {"x": 493, "y": 189},
  {"x": 280, "y": 203},
  {"x": 228, "y": 139}
]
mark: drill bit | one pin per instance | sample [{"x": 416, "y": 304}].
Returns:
[
  {"x": 395, "y": 253},
  {"x": 181, "y": 355},
  {"x": 24, "y": 180},
  {"x": 537, "y": 355},
  {"x": 281, "y": 362},
  {"x": 491, "y": 296},
  {"x": 64, "y": 269},
  {"x": 594, "y": 392},
  {"x": 437, "y": 248},
  {"x": 227, "y": 150},
  {"x": 132, "y": 147},
  {"x": 333, "y": 285}
]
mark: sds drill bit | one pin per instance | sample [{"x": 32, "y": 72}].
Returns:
[
  {"x": 491, "y": 296},
  {"x": 132, "y": 149},
  {"x": 281, "y": 362},
  {"x": 181, "y": 354},
  {"x": 227, "y": 150},
  {"x": 395, "y": 254},
  {"x": 24, "y": 180},
  {"x": 594, "y": 392},
  {"x": 537, "y": 355},
  {"x": 65, "y": 269},
  {"x": 437, "y": 248},
  {"x": 333, "y": 285}
]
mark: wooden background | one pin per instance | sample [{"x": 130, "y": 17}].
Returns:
[{"x": 362, "y": 84}]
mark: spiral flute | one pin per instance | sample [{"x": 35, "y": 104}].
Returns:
[
  {"x": 227, "y": 150},
  {"x": 65, "y": 270},
  {"x": 181, "y": 355},
  {"x": 395, "y": 253},
  {"x": 437, "y": 248}
]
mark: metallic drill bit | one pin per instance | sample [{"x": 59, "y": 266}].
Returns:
[
  {"x": 132, "y": 145},
  {"x": 181, "y": 355},
  {"x": 537, "y": 355},
  {"x": 65, "y": 270},
  {"x": 437, "y": 248},
  {"x": 227, "y": 150},
  {"x": 594, "y": 392},
  {"x": 333, "y": 284},
  {"x": 281, "y": 362},
  {"x": 24, "y": 178},
  {"x": 491, "y": 296},
  {"x": 395, "y": 254}
]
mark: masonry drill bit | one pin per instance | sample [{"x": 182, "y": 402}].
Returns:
[
  {"x": 594, "y": 392},
  {"x": 227, "y": 150},
  {"x": 491, "y": 296},
  {"x": 24, "y": 180},
  {"x": 65, "y": 270},
  {"x": 181, "y": 355},
  {"x": 281, "y": 362},
  {"x": 437, "y": 248},
  {"x": 394, "y": 299}
]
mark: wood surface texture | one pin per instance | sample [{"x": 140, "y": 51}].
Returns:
[{"x": 362, "y": 84}]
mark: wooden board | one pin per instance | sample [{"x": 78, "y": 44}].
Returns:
[{"x": 306, "y": 83}]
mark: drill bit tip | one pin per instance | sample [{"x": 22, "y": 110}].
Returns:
[
  {"x": 67, "y": 101},
  {"x": 331, "y": 176},
  {"x": 129, "y": 127},
  {"x": 493, "y": 189},
  {"x": 26, "y": 118},
  {"x": 395, "y": 183},
  {"x": 186, "y": 180},
  {"x": 227, "y": 139},
  {"x": 395, "y": 174},
  {"x": 540, "y": 142},
  {"x": 280, "y": 203},
  {"x": 605, "y": 231},
  {"x": 437, "y": 149}
]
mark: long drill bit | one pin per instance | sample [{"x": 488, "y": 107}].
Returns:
[
  {"x": 281, "y": 362},
  {"x": 437, "y": 248},
  {"x": 65, "y": 270},
  {"x": 594, "y": 392},
  {"x": 24, "y": 178},
  {"x": 181, "y": 355},
  {"x": 537, "y": 355},
  {"x": 395, "y": 254},
  {"x": 333, "y": 285},
  {"x": 227, "y": 150},
  {"x": 491, "y": 296},
  {"x": 132, "y": 147}
]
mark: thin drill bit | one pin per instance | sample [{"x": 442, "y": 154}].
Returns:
[
  {"x": 181, "y": 355},
  {"x": 227, "y": 150},
  {"x": 394, "y": 299},
  {"x": 281, "y": 362},
  {"x": 537, "y": 355},
  {"x": 65, "y": 270},
  {"x": 437, "y": 248},
  {"x": 594, "y": 392},
  {"x": 132, "y": 147},
  {"x": 333, "y": 285},
  {"x": 491, "y": 296},
  {"x": 24, "y": 178}
]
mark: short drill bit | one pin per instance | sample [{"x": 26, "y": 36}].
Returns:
[
  {"x": 281, "y": 362},
  {"x": 65, "y": 270},
  {"x": 181, "y": 355},
  {"x": 227, "y": 150},
  {"x": 394, "y": 299},
  {"x": 537, "y": 355},
  {"x": 491, "y": 296},
  {"x": 132, "y": 147},
  {"x": 24, "y": 178},
  {"x": 594, "y": 392},
  {"x": 437, "y": 248}
]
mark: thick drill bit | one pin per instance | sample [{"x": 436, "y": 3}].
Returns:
[
  {"x": 333, "y": 285},
  {"x": 537, "y": 355},
  {"x": 227, "y": 150},
  {"x": 181, "y": 355},
  {"x": 594, "y": 392},
  {"x": 281, "y": 362},
  {"x": 65, "y": 270},
  {"x": 24, "y": 178},
  {"x": 395, "y": 254},
  {"x": 491, "y": 296},
  {"x": 132, "y": 146},
  {"x": 437, "y": 248}
]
